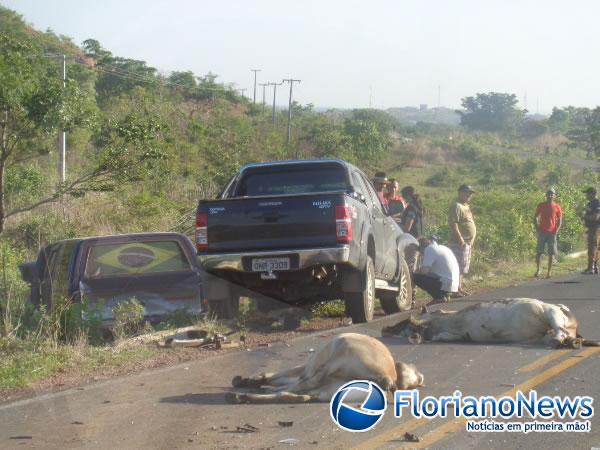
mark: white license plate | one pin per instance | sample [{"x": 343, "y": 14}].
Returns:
[{"x": 270, "y": 264}]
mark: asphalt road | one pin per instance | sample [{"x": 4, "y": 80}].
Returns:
[{"x": 183, "y": 406}]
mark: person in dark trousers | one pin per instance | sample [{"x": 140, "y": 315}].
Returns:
[
  {"x": 591, "y": 220},
  {"x": 439, "y": 273},
  {"x": 547, "y": 221},
  {"x": 412, "y": 216},
  {"x": 411, "y": 221}
]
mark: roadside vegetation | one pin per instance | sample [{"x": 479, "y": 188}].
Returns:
[{"x": 142, "y": 148}]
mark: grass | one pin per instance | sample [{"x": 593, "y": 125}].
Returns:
[{"x": 23, "y": 363}]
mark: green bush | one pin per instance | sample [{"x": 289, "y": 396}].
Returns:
[{"x": 128, "y": 316}]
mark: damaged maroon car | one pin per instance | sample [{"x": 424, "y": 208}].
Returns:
[{"x": 159, "y": 269}]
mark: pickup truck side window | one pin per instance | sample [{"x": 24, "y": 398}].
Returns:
[
  {"x": 358, "y": 184},
  {"x": 373, "y": 195},
  {"x": 135, "y": 258}
]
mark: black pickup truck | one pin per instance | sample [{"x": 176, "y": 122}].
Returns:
[{"x": 302, "y": 232}]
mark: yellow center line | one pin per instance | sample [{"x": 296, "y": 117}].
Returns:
[
  {"x": 543, "y": 361},
  {"x": 441, "y": 432}
]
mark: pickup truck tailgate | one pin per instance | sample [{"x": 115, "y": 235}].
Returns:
[{"x": 265, "y": 223}]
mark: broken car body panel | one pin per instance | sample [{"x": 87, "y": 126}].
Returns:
[{"x": 158, "y": 269}]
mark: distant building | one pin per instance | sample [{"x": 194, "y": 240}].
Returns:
[{"x": 423, "y": 107}]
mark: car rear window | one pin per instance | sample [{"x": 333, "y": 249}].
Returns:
[
  {"x": 134, "y": 258},
  {"x": 301, "y": 179}
]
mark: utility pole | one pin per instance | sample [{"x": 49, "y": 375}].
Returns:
[
  {"x": 254, "y": 98},
  {"x": 62, "y": 137},
  {"x": 289, "y": 130},
  {"x": 242, "y": 92},
  {"x": 264, "y": 86},
  {"x": 274, "y": 95},
  {"x": 439, "y": 96}
]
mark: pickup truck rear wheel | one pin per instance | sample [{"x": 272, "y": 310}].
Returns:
[
  {"x": 396, "y": 301},
  {"x": 360, "y": 305}
]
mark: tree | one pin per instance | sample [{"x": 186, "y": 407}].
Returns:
[
  {"x": 368, "y": 143},
  {"x": 34, "y": 105},
  {"x": 559, "y": 121},
  {"x": 496, "y": 112}
]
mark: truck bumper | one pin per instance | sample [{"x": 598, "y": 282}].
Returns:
[{"x": 306, "y": 258}]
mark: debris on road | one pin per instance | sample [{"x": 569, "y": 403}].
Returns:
[
  {"x": 282, "y": 423},
  {"x": 290, "y": 441},
  {"x": 76, "y": 422},
  {"x": 189, "y": 338},
  {"x": 512, "y": 385},
  {"x": 246, "y": 428},
  {"x": 410, "y": 437},
  {"x": 20, "y": 437}
]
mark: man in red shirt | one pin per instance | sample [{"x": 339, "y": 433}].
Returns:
[{"x": 547, "y": 221}]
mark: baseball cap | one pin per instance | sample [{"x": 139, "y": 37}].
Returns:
[
  {"x": 551, "y": 191},
  {"x": 590, "y": 190},
  {"x": 466, "y": 188}
]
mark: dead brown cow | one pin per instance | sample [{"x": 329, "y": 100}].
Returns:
[{"x": 344, "y": 358}]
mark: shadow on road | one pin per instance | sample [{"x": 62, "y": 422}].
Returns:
[{"x": 198, "y": 399}]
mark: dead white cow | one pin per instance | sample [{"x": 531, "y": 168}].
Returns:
[
  {"x": 513, "y": 320},
  {"x": 346, "y": 357}
]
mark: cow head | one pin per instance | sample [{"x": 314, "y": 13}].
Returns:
[
  {"x": 408, "y": 376},
  {"x": 412, "y": 328}
]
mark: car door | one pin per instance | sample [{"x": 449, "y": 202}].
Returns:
[
  {"x": 386, "y": 231},
  {"x": 376, "y": 216}
]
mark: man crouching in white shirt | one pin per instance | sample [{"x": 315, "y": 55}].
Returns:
[{"x": 439, "y": 272}]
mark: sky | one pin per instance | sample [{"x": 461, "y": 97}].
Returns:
[{"x": 352, "y": 54}]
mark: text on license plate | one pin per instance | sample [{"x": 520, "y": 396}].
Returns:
[{"x": 270, "y": 264}]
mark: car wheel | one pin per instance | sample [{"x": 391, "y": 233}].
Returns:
[
  {"x": 401, "y": 300},
  {"x": 360, "y": 305}
]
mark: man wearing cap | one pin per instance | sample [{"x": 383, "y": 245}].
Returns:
[
  {"x": 462, "y": 231},
  {"x": 380, "y": 182},
  {"x": 439, "y": 272},
  {"x": 591, "y": 220},
  {"x": 547, "y": 221}
]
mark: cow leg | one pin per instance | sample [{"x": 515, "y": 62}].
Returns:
[
  {"x": 279, "y": 397},
  {"x": 274, "y": 379}
]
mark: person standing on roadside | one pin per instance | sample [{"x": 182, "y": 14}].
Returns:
[
  {"x": 393, "y": 192},
  {"x": 462, "y": 231},
  {"x": 412, "y": 216},
  {"x": 547, "y": 221},
  {"x": 411, "y": 222},
  {"x": 591, "y": 220},
  {"x": 395, "y": 203},
  {"x": 380, "y": 183}
]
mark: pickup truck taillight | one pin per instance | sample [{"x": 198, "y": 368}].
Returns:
[
  {"x": 343, "y": 224},
  {"x": 202, "y": 231}
]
